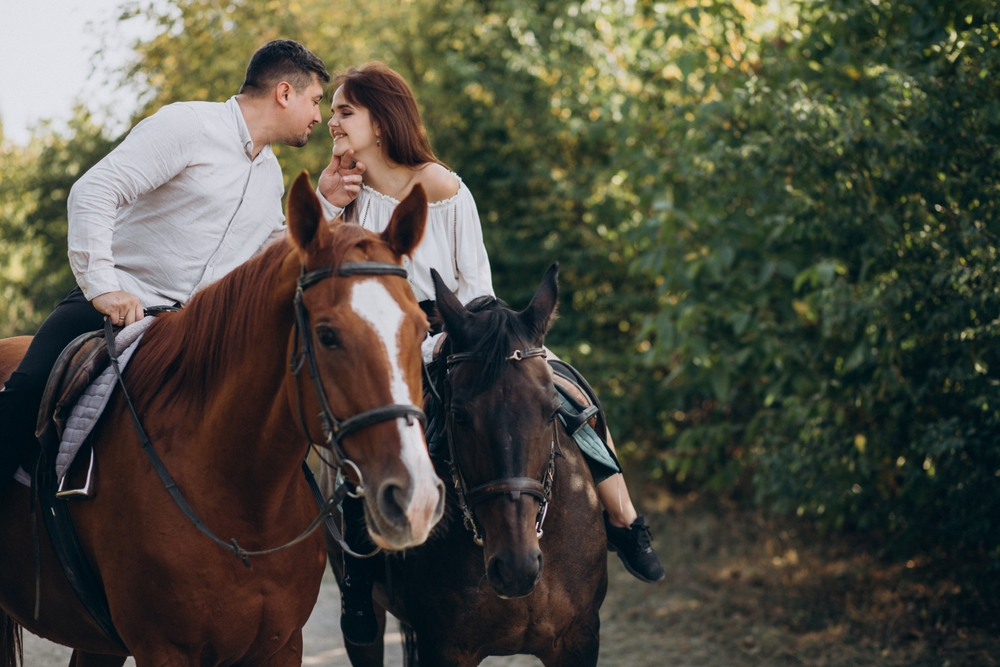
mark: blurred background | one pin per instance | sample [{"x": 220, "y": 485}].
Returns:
[{"x": 776, "y": 224}]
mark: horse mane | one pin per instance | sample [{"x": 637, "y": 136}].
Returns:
[
  {"x": 493, "y": 332},
  {"x": 189, "y": 353}
]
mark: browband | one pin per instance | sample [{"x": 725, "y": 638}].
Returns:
[{"x": 351, "y": 269}]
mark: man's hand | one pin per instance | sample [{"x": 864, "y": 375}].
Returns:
[
  {"x": 340, "y": 182},
  {"x": 123, "y": 308}
]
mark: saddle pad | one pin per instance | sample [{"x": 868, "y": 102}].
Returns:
[
  {"x": 602, "y": 461},
  {"x": 92, "y": 401}
]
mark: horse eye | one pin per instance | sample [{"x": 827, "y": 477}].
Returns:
[
  {"x": 461, "y": 417},
  {"x": 327, "y": 337}
]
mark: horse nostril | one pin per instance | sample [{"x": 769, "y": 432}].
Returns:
[
  {"x": 496, "y": 571},
  {"x": 439, "y": 509},
  {"x": 393, "y": 501}
]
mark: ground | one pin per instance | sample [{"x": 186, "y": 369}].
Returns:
[{"x": 741, "y": 590}]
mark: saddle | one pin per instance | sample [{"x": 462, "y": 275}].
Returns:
[{"x": 77, "y": 366}]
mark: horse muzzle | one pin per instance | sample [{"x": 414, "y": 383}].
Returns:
[
  {"x": 401, "y": 514},
  {"x": 514, "y": 574}
]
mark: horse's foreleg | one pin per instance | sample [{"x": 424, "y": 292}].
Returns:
[
  {"x": 289, "y": 655},
  {"x": 84, "y": 659},
  {"x": 577, "y": 647},
  {"x": 372, "y": 655}
]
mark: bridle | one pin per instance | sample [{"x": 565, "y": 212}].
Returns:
[
  {"x": 335, "y": 430},
  {"x": 512, "y": 486}
]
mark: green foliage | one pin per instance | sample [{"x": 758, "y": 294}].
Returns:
[
  {"x": 776, "y": 222},
  {"x": 828, "y": 246},
  {"x": 34, "y": 183}
]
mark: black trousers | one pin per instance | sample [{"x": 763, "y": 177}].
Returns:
[{"x": 22, "y": 393}]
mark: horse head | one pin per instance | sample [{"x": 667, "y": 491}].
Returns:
[
  {"x": 501, "y": 409},
  {"x": 359, "y": 330}
]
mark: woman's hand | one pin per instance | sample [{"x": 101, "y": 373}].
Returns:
[
  {"x": 123, "y": 308},
  {"x": 340, "y": 182}
]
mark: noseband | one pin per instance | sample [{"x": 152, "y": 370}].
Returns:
[
  {"x": 335, "y": 430},
  {"x": 512, "y": 486}
]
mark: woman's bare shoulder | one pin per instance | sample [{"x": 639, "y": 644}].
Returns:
[{"x": 439, "y": 183}]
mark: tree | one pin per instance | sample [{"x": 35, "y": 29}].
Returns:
[{"x": 34, "y": 183}]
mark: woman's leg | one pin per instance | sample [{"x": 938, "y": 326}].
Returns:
[
  {"x": 615, "y": 497},
  {"x": 628, "y": 534}
]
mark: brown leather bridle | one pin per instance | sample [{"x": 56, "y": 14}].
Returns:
[{"x": 510, "y": 486}]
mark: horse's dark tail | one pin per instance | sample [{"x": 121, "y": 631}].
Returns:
[{"x": 11, "y": 642}]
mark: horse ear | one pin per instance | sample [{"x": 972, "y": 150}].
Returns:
[
  {"x": 406, "y": 228},
  {"x": 305, "y": 214},
  {"x": 540, "y": 313},
  {"x": 449, "y": 307}
]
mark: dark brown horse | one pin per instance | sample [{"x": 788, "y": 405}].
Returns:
[
  {"x": 527, "y": 589},
  {"x": 214, "y": 390}
]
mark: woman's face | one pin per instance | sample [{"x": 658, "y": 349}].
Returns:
[{"x": 351, "y": 127}]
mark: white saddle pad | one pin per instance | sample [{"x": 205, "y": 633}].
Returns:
[{"x": 92, "y": 401}]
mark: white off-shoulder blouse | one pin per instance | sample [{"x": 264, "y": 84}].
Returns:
[{"x": 452, "y": 243}]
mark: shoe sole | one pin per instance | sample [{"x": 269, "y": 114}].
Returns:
[{"x": 635, "y": 573}]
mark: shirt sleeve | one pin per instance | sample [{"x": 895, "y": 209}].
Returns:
[
  {"x": 330, "y": 212},
  {"x": 471, "y": 260},
  {"x": 154, "y": 152},
  {"x": 276, "y": 234}
]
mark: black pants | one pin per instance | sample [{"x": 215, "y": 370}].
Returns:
[{"x": 22, "y": 393}]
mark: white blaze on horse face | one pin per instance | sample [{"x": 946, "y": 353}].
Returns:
[{"x": 373, "y": 303}]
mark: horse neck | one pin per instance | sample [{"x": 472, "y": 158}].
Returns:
[{"x": 244, "y": 422}]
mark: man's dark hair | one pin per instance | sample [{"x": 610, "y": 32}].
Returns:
[{"x": 282, "y": 60}]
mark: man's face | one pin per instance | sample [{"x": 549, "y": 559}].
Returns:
[{"x": 302, "y": 112}]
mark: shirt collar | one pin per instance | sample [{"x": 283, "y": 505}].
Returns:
[{"x": 241, "y": 127}]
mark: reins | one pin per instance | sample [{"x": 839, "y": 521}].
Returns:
[
  {"x": 334, "y": 430},
  {"x": 512, "y": 486}
]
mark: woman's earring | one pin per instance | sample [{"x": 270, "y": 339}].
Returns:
[{"x": 378, "y": 142}]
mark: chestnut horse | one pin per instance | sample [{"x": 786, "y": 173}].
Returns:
[
  {"x": 529, "y": 588},
  {"x": 230, "y": 419}
]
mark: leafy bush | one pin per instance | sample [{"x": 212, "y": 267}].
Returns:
[{"x": 828, "y": 238}]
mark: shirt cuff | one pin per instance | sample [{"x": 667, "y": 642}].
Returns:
[
  {"x": 95, "y": 283},
  {"x": 330, "y": 211},
  {"x": 427, "y": 347}
]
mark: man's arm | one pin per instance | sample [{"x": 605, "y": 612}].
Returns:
[
  {"x": 340, "y": 183},
  {"x": 155, "y": 151}
]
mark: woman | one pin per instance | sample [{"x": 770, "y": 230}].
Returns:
[{"x": 376, "y": 122}]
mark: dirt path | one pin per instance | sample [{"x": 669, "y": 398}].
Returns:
[
  {"x": 739, "y": 591},
  {"x": 323, "y": 644}
]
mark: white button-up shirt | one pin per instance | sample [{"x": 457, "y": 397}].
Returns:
[{"x": 179, "y": 204}]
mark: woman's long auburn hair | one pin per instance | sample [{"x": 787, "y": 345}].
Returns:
[{"x": 393, "y": 108}]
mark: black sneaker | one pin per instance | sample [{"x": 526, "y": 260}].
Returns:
[
  {"x": 634, "y": 546},
  {"x": 357, "y": 615}
]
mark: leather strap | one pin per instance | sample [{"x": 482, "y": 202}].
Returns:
[
  {"x": 348, "y": 269},
  {"x": 66, "y": 544},
  {"x": 168, "y": 481},
  {"x": 514, "y": 486}
]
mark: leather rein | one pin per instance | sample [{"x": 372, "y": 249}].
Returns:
[
  {"x": 512, "y": 486},
  {"x": 334, "y": 430}
]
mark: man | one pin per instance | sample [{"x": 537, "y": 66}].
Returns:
[{"x": 193, "y": 192}]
